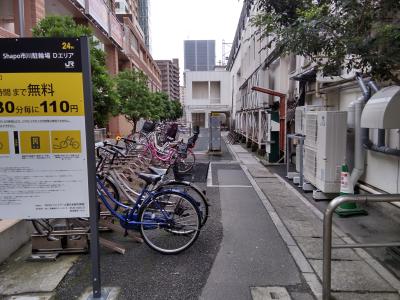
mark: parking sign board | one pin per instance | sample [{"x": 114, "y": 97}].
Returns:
[{"x": 43, "y": 124}]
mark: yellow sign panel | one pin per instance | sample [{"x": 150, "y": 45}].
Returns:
[
  {"x": 4, "y": 144},
  {"x": 41, "y": 94},
  {"x": 34, "y": 142},
  {"x": 66, "y": 141}
]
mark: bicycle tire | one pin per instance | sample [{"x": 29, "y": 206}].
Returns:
[
  {"x": 75, "y": 145},
  {"x": 113, "y": 190},
  {"x": 196, "y": 194},
  {"x": 146, "y": 156},
  {"x": 171, "y": 217}
]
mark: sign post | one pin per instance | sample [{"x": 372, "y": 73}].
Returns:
[{"x": 47, "y": 163}]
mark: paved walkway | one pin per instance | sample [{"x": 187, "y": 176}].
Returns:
[
  {"x": 355, "y": 274},
  {"x": 263, "y": 241}
]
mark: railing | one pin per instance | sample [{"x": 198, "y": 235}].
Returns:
[{"x": 327, "y": 236}]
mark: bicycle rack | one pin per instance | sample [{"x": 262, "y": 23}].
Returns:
[
  {"x": 77, "y": 240},
  {"x": 327, "y": 234}
]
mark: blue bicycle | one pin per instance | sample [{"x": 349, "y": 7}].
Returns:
[{"x": 168, "y": 220}]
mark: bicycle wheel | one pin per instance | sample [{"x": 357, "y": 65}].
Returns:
[
  {"x": 114, "y": 192},
  {"x": 194, "y": 192},
  {"x": 146, "y": 156},
  {"x": 172, "y": 222},
  {"x": 186, "y": 164}
]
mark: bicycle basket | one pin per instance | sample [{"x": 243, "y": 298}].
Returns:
[{"x": 148, "y": 126}]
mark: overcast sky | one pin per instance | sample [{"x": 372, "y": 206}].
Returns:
[{"x": 173, "y": 21}]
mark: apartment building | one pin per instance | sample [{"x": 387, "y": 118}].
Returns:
[
  {"x": 114, "y": 23},
  {"x": 170, "y": 77}
]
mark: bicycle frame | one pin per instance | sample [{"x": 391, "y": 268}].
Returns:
[
  {"x": 130, "y": 220},
  {"x": 168, "y": 156}
]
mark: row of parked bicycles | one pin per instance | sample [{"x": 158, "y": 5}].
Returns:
[{"x": 140, "y": 186}]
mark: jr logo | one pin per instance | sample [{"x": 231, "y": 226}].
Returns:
[{"x": 70, "y": 64}]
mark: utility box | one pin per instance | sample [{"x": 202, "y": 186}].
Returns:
[
  {"x": 215, "y": 133},
  {"x": 272, "y": 146}
]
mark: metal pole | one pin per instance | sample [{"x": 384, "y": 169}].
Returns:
[
  {"x": 370, "y": 245},
  {"x": 93, "y": 204},
  {"x": 21, "y": 18},
  {"x": 301, "y": 162},
  {"x": 287, "y": 155},
  {"x": 327, "y": 233}
]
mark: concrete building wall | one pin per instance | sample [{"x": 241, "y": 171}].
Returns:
[
  {"x": 252, "y": 62},
  {"x": 120, "y": 36},
  {"x": 381, "y": 171},
  {"x": 206, "y": 92}
]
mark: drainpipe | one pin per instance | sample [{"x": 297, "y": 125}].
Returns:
[
  {"x": 381, "y": 132},
  {"x": 359, "y": 137}
]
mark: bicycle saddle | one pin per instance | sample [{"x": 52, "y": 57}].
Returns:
[
  {"x": 149, "y": 178},
  {"x": 158, "y": 171}
]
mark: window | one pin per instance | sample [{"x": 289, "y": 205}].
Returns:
[
  {"x": 215, "y": 91},
  {"x": 200, "y": 90}
]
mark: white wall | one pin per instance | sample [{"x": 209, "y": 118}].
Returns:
[
  {"x": 381, "y": 171},
  {"x": 203, "y": 98}
]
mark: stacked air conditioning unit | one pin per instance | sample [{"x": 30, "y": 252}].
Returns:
[
  {"x": 310, "y": 146},
  {"x": 325, "y": 148}
]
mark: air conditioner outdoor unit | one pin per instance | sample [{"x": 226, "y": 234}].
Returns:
[
  {"x": 298, "y": 158},
  {"x": 331, "y": 149},
  {"x": 310, "y": 164},
  {"x": 299, "y": 120},
  {"x": 311, "y": 129}
]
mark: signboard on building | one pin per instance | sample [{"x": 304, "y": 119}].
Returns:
[{"x": 43, "y": 141}]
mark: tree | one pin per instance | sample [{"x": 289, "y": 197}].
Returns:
[
  {"x": 104, "y": 96},
  {"x": 134, "y": 96},
  {"x": 159, "y": 106},
  {"x": 336, "y": 34},
  {"x": 177, "y": 110}
]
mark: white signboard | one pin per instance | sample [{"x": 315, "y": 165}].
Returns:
[{"x": 43, "y": 154}]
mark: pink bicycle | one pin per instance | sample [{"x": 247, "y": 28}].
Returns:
[{"x": 179, "y": 152}]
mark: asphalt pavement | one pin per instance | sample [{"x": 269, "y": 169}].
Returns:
[
  {"x": 238, "y": 248},
  {"x": 262, "y": 241}
]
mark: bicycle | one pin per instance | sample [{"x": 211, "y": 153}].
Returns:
[
  {"x": 68, "y": 142},
  {"x": 174, "y": 151},
  {"x": 163, "y": 218},
  {"x": 121, "y": 180}
]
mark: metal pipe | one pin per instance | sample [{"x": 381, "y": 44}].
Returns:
[
  {"x": 366, "y": 92},
  {"x": 381, "y": 137},
  {"x": 301, "y": 162},
  {"x": 327, "y": 232},
  {"x": 359, "y": 152},
  {"x": 287, "y": 154},
  {"x": 375, "y": 245},
  {"x": 383, "y": 149},
  {"x": 21, "y": 18},
  {"x": 373, "y": 86}
]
